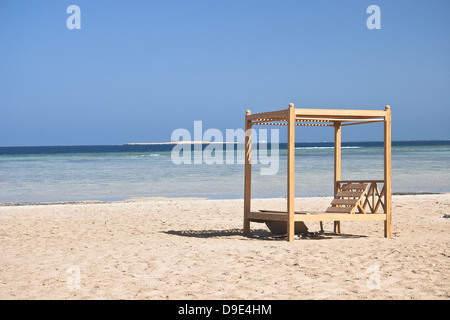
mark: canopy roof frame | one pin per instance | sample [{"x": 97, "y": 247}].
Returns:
[{"x": 336, "y": 118}]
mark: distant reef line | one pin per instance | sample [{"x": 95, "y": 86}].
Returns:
[{"x": 173, "y": 142}]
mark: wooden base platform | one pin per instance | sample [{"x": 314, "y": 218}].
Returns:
[{"x": 266, "y": 215}]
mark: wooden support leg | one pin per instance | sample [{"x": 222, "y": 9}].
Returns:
[
  {"x": 337, "y": 227},
  {"x": 248, "y": 172},
  {"x": 387, "y": 174},
  {"x": 337, "y": 166},
  {"x": 291, "y": 179}
]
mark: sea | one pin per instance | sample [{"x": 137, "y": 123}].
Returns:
[{"x": 120, "y": 172}]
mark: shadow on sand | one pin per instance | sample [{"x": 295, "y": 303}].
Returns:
[{"x": 258, "y": 234}]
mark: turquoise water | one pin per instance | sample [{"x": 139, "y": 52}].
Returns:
[{"x": 46, "y": 174}]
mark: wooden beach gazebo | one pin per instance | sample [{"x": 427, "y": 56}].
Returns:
[{"x": 353, "y": 199}]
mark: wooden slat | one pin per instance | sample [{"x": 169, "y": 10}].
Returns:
[
  {"x": 362, "y": 122},
  {"x": 360, "y": 181},
  {"x": 279, "y": 211},
  {"x": 341, "y": 217},
  {"x": 340, "y": 209},
  {"x": 361, "y": 209},
  {"x": 344, "y": 202},
  {"x": 268, "y": 124},
  {"x": 267, "y": 115},
  {"x": 270, "y": 120},
  {"x": 296, "y": 212},
  {"x": 347, "y": 194},
  {"x": 370, "y": 193},
  {"x": 267, "y": 216},
  {"x": 313, "y": 125},
  {"x": 297, "y": 124},
  {"x": 337, "y": 113},
  {"x": 340, "y": 119},
  {"x": 380, "y": 200},
  {"x": 356, "y": 186},
  {"x": 312, "y": 120}
]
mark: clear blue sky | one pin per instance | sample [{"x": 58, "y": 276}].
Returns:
[{"x": 137, "y": 70}]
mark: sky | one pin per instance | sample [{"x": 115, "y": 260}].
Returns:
[{"x": 137, "y": 70}]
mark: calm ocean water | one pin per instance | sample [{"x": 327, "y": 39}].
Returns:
[{"x": 74, "y": 173}]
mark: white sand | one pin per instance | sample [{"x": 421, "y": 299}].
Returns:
[{"x": 194, "y": 249}]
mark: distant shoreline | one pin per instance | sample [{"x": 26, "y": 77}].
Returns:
[
  {"x": 172, "y": 142},
  {"x": 168, "y": 198}
]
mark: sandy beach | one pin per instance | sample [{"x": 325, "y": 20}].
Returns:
[{"x": 195, "y": 249}]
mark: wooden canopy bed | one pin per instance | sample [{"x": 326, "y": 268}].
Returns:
[{"x": 353, "y": 199}]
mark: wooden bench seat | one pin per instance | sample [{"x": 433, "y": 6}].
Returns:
[
  {"x": 271, "y": 215},
  {"x": 347, "y": 205}
]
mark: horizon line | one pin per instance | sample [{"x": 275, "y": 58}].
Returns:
[{"x": 202, "y": 142}]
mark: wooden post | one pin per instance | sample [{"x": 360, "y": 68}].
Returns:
[
  {"x": 387, "y": 173},
  {"x": 337, "y": 166},
  {"x": 248, "y": 171},
  {"x": 291, "y": 173}
]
